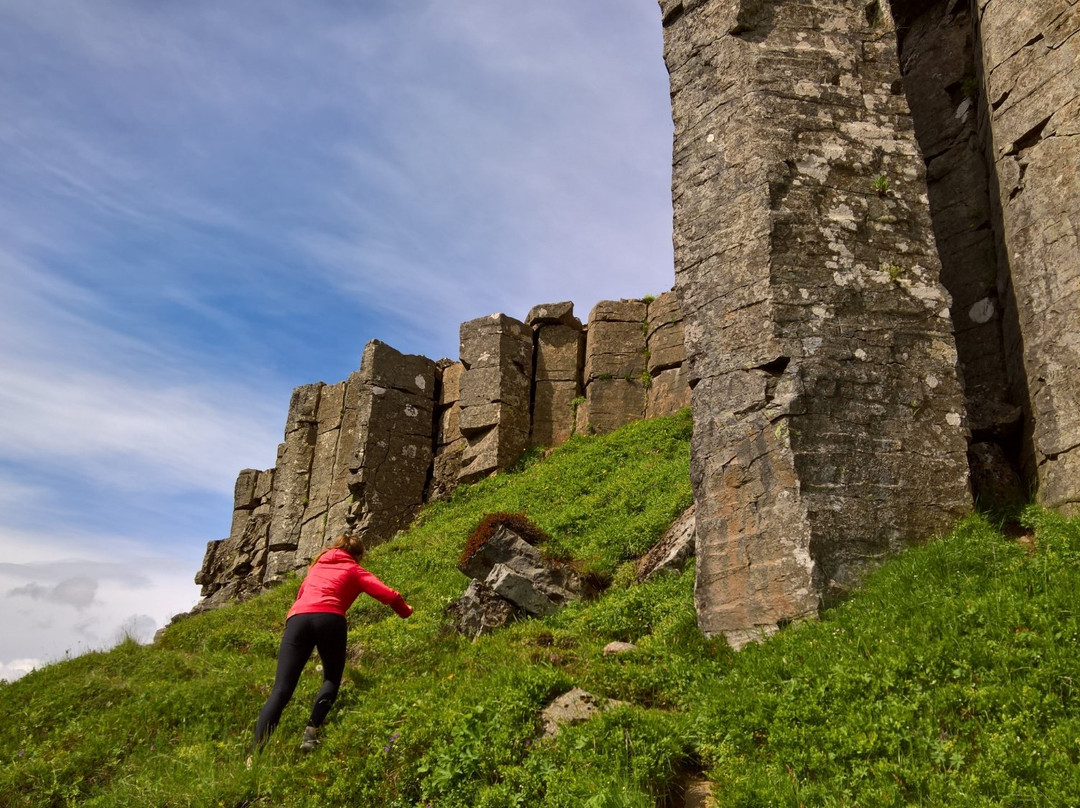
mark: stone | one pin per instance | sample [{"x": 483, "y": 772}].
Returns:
[
  {"x": 394, "y": 447},
  {"x": 617, "y": 648},
  {"x": 829, "y": 424},
  {"x": 528, "y": 590},
  {"x": 517, "y": 571},
  {"x": 675, "y": 548},
  {"x": 668, "y": 392},
  {"x": 233, "y": 568},
  {"x": 610, "y": 404},
  {"x": 664, "y": 334},
  {"x": 292, "y": 473},
  {"x": 572, "y": 707},
  {"x": 449, "y": 442},
  {"x": 1031, "y": 71},
  {"x": 553, "y": 314},
  {"x": 495, "y": 392},
  {"x": 556, "y": 380},
  {"x": 480, "y": 611},
  {"x": 615, "y": 348}
]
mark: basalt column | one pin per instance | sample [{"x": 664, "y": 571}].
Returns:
[
  {"x": 497, "y": 353},
  {"x": 666, "y": 358},
  {"x": 937, "y": 58},
  {"x": 560, "y": 348},
  {"x": 615, "y": 366},
  {"x": 449, "y": 442},
  {"x": 829, "y": 424},
  {"x": 395, "y": 438},
  {"x": 233, "y": 568},
  {"x": 1031, "y": 76}
]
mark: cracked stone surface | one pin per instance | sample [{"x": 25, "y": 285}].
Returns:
[
  {"x": 560, "y": 348},
  {"x": 495, "y": 390},
  {"x": 394, "y": 446},
  {"x": 1031, "y": 72},
  {"x": 829, "y": 421}
]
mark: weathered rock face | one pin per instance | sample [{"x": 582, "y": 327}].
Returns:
[
  {"x": 1030, "y": 58},
  {"x": 497, "y": 353},
  {"x": 292, "y": 477},
  {"x": 364, "y": 454},
  {"x": 615, "y": 366},
  {"x": 938, "y": 65},
  {"x": 450, "y": 443},
  {"x": 560, "y": 347},
  {"x": 390, "y": 465},
  {"x": 233, "y": 568},
  {"x": 668, "y": 388},
  {"x": 828, "y": 417}
]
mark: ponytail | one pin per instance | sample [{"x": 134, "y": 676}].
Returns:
[{"x": 351, "y": 544}]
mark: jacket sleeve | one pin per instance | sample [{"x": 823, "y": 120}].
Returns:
[{"x": 371, "y": 585}]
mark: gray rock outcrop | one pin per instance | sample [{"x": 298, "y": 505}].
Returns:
[
  {"x": 1030, "y": 70},
  {"x": 364, "y": 454},
  {"x": 495, "y": 391},
  {"x": 560, "y": 348},
  {"x": 393, "y": 454},
  {"x": 829, "y": 423},
  {"x": 517, "y": 571},
  {"x": 675, "y": 548}
]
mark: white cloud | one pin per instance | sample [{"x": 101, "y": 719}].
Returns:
[
  {"x": 47, "y": 611},
  {"x": 10, "y": 671},
  {"x": 77, "y": 592}
]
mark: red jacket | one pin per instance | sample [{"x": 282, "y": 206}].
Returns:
[{"x": 335, "y": 581}]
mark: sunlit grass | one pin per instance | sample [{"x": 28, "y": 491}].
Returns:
[{"x": 950, "y": 679}]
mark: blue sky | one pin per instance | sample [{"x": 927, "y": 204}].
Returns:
[{"x": 206, "y": 204}]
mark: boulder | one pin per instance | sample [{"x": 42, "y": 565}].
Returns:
[
  {"x": 674, "y": 549},
  {"x": 480, "y": 611},
  {"x": 570, "y": 708},
  {"x": 553, "y": 314}
]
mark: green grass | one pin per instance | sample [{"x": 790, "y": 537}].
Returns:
[{"x": 951, "y": 679}]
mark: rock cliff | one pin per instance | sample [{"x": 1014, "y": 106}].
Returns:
[
  {"x": 875, "y": 226},
  {"x": 365, "y": 454}
]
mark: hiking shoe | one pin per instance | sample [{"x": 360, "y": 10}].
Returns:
[{"x": 311, "y": 740}]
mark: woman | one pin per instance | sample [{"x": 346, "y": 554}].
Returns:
[{"x": 317, "y": 620}]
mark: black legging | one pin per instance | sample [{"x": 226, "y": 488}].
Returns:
[{"x": 304, "y": 632}]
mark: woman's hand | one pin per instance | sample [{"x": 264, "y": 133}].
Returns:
[{"x": 402, "y": 608}]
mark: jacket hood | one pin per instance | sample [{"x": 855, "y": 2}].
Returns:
[{"x": 336, "y": 556}]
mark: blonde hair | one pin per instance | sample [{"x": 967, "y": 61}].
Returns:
[{"x": 353, "y": 545}]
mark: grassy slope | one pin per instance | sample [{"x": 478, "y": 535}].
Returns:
[{"x": 950, "y": 681}]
